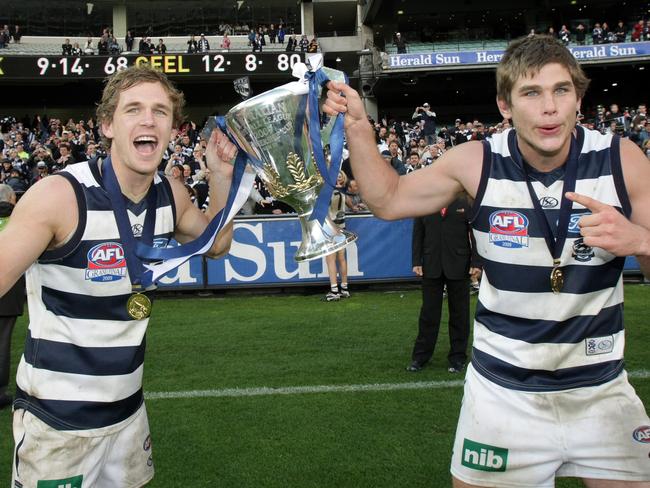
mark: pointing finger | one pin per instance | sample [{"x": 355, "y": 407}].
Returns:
[{"x": 587, "y": 202}]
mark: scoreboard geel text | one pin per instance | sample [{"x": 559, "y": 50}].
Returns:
[{"x": 174, "y": 65}]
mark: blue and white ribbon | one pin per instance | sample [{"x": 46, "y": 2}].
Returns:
[
  {"x": 172, "y": 257},
  {"x": 316, "y": 78}
]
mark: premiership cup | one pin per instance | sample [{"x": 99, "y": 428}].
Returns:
[{"x": 273, "y": 128}]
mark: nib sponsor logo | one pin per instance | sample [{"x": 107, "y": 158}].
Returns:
[
  {"x": 74, "y": 482},
  {"x": 484, "y": 457}
]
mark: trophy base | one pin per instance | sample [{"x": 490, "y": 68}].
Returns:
[{"x": 321, "y": 240}]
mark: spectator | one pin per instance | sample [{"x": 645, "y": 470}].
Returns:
[
  {"x": 257, "y": 43},
  {"x": 11, "y": 303},
  {"x": 400, "y": 44},
  {"x": 610, "y": 36},
  {"x": 89, "y": 50},
  {"x": 291, "y": 43},
  {"x": 128, "y": 41},
  {"x": 273, "y": 34},
  {"x": 313, "y": 46},
  {"x": 428, "y": 117},
  {"x": 192, "y": 45},
  {"x": 413, "y": 162},
  {"x": 17, "y": 34},
  {"x": 597, "y": 34},
  {"x": 66, "y": 48},
  {"x": 225, "y": 42},
  {"x": 5, "y": 36},
  {"x": 160, "y": 47},
  {"x": 353, "y": 199},
  {"x": 76, "y": 49},
  {"x": 551, "y": 32},
  {"x": 637, "y": 31},
  {"x": 580, "y": 35},
  {"x": 42, "y": 171},
  {"x": 17, "y": 182},
  {"x": 102, "y": 45},
  {"x": 66, "y": 156},
  {"x": 281, "y": 34},
  {"x": 5, "y": 171},
  {"x": 620, "y": 32},
  {"x": 303, "y": 43},
  {"x": 113, "y": 46},
  {"x": 204, "y": 45},
  {"x": 392, "y": 157},
  {"x": 565, "y": 35},
  {"x": 251, "y": 37}
]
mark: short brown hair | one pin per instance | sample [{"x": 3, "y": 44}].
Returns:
[
  {"x": 132, "y": 76},
  {"x": 527, "y": 55}
]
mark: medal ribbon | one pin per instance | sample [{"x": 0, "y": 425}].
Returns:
[
  {"x": 555, "y": 245},
  {"x": 140, "y": 278}
]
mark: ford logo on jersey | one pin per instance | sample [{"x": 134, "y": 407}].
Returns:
[
  {"x": 642, "y": 434},
  {"x": 106, "y": 262},
  {"x": 508, "y": 229},
  {"x": 574, "y": 228}
]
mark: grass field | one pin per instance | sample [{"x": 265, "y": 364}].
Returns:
[{"x": 233, "y": 398}]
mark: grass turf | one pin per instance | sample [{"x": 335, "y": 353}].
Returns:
[{"x": 389, "y": 438}]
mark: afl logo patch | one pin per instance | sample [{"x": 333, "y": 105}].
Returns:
[
  {"x": 642, "y": 434},
  {"x": 106, "y": 262},
  {"x": 508, "y": 229}
]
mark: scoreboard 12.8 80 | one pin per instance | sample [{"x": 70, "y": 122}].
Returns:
[{"x": 175, "y": 65}]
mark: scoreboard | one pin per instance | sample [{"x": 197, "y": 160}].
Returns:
[{"x": 206, "y": 65}]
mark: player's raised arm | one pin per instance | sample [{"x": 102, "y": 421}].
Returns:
[
  {"x": 191, "y": 221},
  {"x": 388, "y": 195}
]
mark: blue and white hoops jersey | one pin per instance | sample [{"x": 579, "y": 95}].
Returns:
[
  {"x": 525, "y": 336},
  {"x": 83, "y": 360}
]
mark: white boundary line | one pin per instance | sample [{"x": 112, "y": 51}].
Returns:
[{"x": 299, "y": 390}]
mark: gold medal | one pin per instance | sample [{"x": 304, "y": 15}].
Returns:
[
  {"x": 138, "y": 306},
  {"x": 557, "y": 279}
]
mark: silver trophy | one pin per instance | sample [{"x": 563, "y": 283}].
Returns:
[{"x": 273, "y": 128}]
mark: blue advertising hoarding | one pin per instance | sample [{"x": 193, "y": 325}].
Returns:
[
  {"x": 262, "y": 255},
  {"x": 601, "y": 52}
]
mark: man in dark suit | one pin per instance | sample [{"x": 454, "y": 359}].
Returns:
[
  {"x": 443, "y": 255},
  {"x": 11, "y": 304}
]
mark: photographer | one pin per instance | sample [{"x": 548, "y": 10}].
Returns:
[{"x": 428, "y": 117}]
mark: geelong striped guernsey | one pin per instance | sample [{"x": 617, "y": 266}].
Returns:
[
  {"x": 83, "y": 360},
  {"x": 525, "y": 336}
]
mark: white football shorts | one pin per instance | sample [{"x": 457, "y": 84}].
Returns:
[
  {"x": 509, "y": 438},
  {"x": 48, "y": 458}
]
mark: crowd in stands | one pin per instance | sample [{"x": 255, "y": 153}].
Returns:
[
  {"x": 34, "y": 149},
  {"x": 258, "y": 38},
  {"x": 601, "y": 33},
  {"x": 582, "y": 34}
]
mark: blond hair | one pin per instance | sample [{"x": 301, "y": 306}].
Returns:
[
  {"x": 130, "y": 77},
  {"x": 526, "y": 56}
]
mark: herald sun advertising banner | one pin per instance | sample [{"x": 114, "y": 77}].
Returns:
[
  {"x": 262, "y": 255},
  {"x": 599, "y": 52}
]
